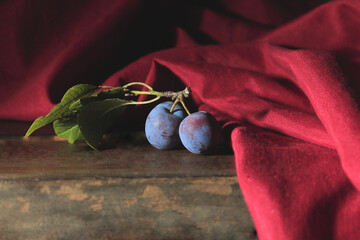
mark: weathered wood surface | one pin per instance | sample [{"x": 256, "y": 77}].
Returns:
[{"x": 50, "y": 189}]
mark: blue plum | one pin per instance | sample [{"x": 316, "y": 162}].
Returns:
[
  {"x": 161, "y": 126},
  {"x": 199, "y": 133}
]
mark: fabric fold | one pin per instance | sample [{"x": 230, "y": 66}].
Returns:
[{"x": 283, "y": 76}]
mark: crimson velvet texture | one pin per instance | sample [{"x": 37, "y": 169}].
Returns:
[{"x": 283, "y": 77}]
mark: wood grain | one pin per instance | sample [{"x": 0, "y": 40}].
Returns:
[{"x": 50, "y": 189}]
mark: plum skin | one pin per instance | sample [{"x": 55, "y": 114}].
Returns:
[
  {"x": 199, "y": 133},
  {"x": 161, "y": 126}
]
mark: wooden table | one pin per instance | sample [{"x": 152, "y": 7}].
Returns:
[{"x": 50, "y": 189}]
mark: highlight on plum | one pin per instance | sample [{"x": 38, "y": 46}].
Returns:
[{"x": 161, "y": 126}]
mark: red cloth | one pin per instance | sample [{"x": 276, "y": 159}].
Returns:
[{"x": 283, "y": 75}]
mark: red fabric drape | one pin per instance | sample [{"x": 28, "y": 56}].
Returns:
[{"x": 285, "y": 76}]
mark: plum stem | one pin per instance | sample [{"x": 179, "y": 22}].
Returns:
[
  {"x": 149, "y": 101},
  {"x": 173, "y": 106},
  {"x": 179, "y": 97},
  {"x": 138, "y": 83},
  {"x": 175, "y": 96},
  {"x": 186, "y": 109}
]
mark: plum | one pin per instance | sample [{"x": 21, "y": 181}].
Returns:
[
  {"x": 200, "y": 133},
  {"x": 161, "y": 126}
]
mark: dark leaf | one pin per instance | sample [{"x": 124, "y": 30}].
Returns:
[{"x": 95, "y": 118}]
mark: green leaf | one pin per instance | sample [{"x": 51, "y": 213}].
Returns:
[
  {"x": 107, "y": 94},
  {"x": 75, "y": 107},
  {"x": 72, "y": 95},
  {"x": 97, "y": 117},
  {"x": 68, "y": 128}
]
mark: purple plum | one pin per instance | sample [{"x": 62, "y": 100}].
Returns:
[
  {"x": 199, "y": 133},
  {"x": 161, "y": 126}
]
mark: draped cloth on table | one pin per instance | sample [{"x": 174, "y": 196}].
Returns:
[{"x": 284, "y": 76}]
